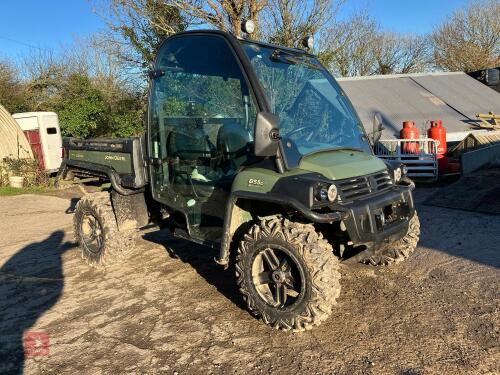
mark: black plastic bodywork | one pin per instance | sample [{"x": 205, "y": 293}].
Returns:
[
  {"x": 362, "y": 217},
  {"x": 367, "y": 222},
  {"x": 266, "y": 134},
  {"x": 124, "y": 183}
]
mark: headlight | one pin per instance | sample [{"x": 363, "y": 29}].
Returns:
[
  {"x": 327, "y": 193},
  {"x": 322, "y": 194},
  {"x": 332, "y": 193},
  {"x": 398, "y": 173}
]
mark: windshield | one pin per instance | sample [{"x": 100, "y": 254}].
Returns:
[{"x": 314, "y": 113}]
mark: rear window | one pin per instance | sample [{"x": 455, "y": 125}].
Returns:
[{"x": 51, "y": 130}]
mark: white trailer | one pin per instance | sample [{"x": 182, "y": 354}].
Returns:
[{"x": 44, "y": 135}]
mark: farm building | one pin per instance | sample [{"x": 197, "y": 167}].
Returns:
[
  {"x": 13, "y": 143},
  {"x": 455, "y": 98}
]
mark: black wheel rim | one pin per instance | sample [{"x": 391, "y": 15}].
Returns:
[
  {"x": 278, "y": 277},
  {"x": 91, "y": 233}
]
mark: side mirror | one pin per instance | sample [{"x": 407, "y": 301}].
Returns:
[
  {"x": 267, "y": 134},
  {"x": 377, "y": 128}
]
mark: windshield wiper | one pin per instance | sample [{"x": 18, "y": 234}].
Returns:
[{"x": 286, "y": 57}]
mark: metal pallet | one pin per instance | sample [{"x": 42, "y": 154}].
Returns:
[{"x": 419, "y": 155}]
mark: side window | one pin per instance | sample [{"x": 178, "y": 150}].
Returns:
[
  {"x": 202, "y": 95},
  {"x": 202, "y": 114}
]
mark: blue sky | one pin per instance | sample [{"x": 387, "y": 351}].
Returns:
[
  {"x": 418, "y": 16},
  {"x": 50, "y": 23}
]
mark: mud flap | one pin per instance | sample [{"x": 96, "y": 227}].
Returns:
[{"x": 130, "y": 210}]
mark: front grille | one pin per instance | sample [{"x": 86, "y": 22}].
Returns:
[
  {"x": 353, "y": 188},
  {"x": 382, "y": 180}
]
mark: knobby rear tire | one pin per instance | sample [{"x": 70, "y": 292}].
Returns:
[{"x": 115, "y": 243}]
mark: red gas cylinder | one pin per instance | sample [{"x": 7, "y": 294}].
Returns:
[
  {"x": 438, "y": 133},
  {"x": 409, "y": 131}
]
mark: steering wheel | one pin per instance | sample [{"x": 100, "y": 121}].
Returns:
[{"x": 302, "y": 128}]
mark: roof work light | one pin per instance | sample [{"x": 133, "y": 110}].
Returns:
[
  {"x": 248, "y": 26},
  {"x": 308, "y": 42}
]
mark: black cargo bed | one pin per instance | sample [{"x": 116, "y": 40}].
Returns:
[{"x": 121, "y": 160}]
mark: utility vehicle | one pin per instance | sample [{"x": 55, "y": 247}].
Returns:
[{"x": 255, "y": 150}]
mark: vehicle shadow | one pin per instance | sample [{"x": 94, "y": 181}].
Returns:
[
  {"x": 31, "y": 282},
  {"x": 201, "y": 258}
]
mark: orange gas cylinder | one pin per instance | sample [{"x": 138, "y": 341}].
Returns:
[
  {"x": 409, "y": 131},
  {"x": 438, "y": 133}
]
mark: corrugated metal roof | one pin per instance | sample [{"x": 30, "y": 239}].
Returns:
[
  {"x": 488, "y": 138},
  {"x": 454, "y": 98},
  {"x": 12, "y": 139},
  {"x": 466, "y": 94},
  {"x": 476, "y": 140}
]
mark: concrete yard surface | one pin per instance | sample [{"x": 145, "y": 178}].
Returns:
[{"x": 168, "y": 308}]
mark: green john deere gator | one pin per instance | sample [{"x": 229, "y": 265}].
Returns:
[{"x": 255, "y": 150}]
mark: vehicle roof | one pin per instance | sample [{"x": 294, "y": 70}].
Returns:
[
  {"x": 276, "y": 46},
  {"x": 240, "y": 39}
]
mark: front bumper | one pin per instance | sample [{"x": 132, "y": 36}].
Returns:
[{"x": 380, "y": 218}]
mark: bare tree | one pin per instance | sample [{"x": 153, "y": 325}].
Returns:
[
  {"x": 224, "y": 15},
  {"x": 357, "y": 47},
  {"x": 89, "y": 57},
  {"x": 470, "y": 39},
  {"x": 44, "y": 73},
  {"x": 86, "y": 56},
  {"x": 11, "y": 88},
  {"x": 138, "y": 26},
  {"x": 290, "y": 21},
  {"x": 348, "y": 46},
  {"x": 396, "y": 53}
]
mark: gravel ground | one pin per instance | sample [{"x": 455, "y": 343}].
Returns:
[{"x": 169, "y": 309}]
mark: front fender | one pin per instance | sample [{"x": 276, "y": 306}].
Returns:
[{"x": 236, "y": 215}]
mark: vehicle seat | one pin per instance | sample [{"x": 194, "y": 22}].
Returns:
[
  {"x": 188, "y": 152},
  {"x": 233, "y": 140}
]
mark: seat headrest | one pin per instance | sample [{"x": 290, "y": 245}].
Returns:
[
  {"x": 188, "y": 146},
  {"x": 233, "y": 137}
]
